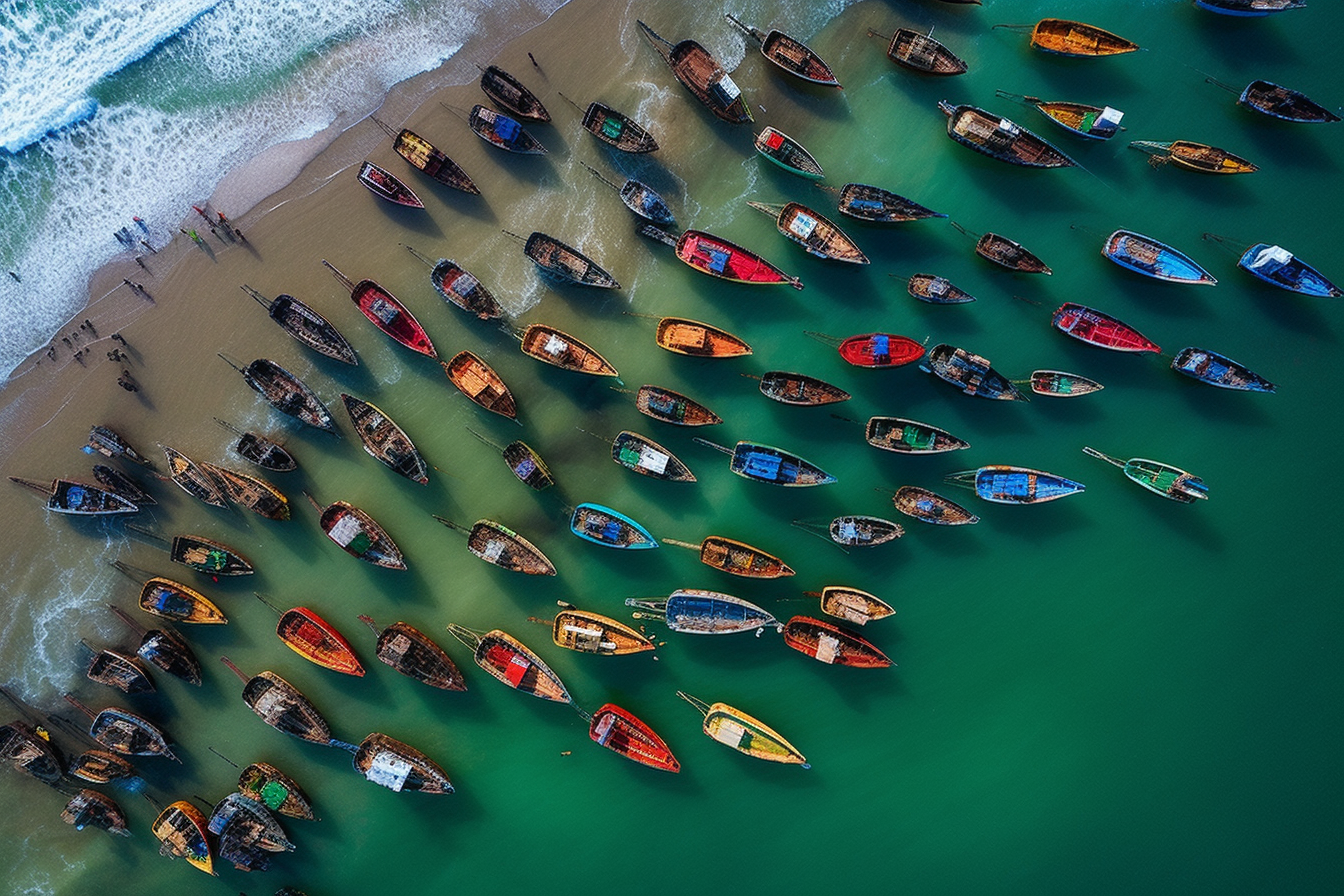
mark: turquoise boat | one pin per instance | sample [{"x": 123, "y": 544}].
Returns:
[
  {"x": 1015, "y": 485},
  {"x": 1279, "y": 267},
  {"x": 610, "y": 528},
  {"x": 1145, "y": 255},
  {"x": 765, "y": 463}
]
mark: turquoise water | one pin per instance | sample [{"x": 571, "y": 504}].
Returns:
[{"x": 1110, "y": 693}]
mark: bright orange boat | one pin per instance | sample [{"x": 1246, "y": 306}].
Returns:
[
  {"x": 316, "y": 640},
  {"x": 728, "y": 261},
  {"x": 691, "y": 337},
  {"x": 623, "y": 733}
]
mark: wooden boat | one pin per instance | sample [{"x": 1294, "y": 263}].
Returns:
[
  {"x": 812, "y": 231},
  {"x": 387, "y": 313},
  {"x": 559, "y": 349},
  {"x": 936, "y": 290},
  {"x": 1281, "y": 268},
  {"x": 527, "y": 465},
  {"x": 970, "y": 373},
  {"x": 1100, "y": 329},
  {"x": 771, "y": 465},
  {"x": 260, "y": 450},
  {"x": 610, "y": 528},
  {"x": 237, "y": 845},
  {"x": 1145, "y": 255},
  {"x": 509, "y": 94},
  {"x": 701, "y": 74},
  {"x": 851, "y": 604},
  {"x": 390, "y": 763},
  {"x": 384, "y": 440},
  {"x": 698, "y": 612},
  {"x": 1009, "y": 254},
  {"x": 787, "y": 153},
  {"x": 922, "y": 504},
  {"x": 123, "y": 485},
  {"x": 717, "y": 257},
  {"x": 620, "y": 731},
  {"x": 863, "y": 531},
  {"x": 1198, "y": 157},
  {"x": 646, "y": 457},
  {"x": 101, "y": 767},
  {"x": 239, "y": 809},
  {"x": 587, "y": 632},
  {"x": 109, "y": 443},
  {"x": 617, "y": 130},
  {"x": 415, "y": 655},
  {"x": 316, "y": 640},
  {"x": 800, "y": 389},
  {"x": 684, "y": 336},
  {"x": 833, "y": 644},
  {"x": 736, "y": 558},
  {"x": 456, "y": 286},
  {"x": 1067, "y": 38},
  {"x": 506, "y": 659},
  {"x": 422, "y": 154},
  {"x": 256, "y": 494},
  {"x": 385, "y": 185},
  {"x": 275, "y": 790},
  {"x": 125, "y": 732},
  {"x": 880, "y": 350},
  {"x": 193, "y": 479},
  {"x": 1003, "y": 484},
  {"x": 280, "y": 705},
  {"x": 117, "y": 670},
  {"x": 923, "y": 54},
  {"x": 208, "y": 556},
  {"x": 181, "y": 830},
  {"x": 1219, "y": 370},
  {"x": 1170, "y": 482},
  {"x": 68, "y": 496},
  {"x": 172, "y": 600},
  {"x": 879, "y": 206},
  {"x": 1092, "y": 122},
  {"x": 905, "y": 436},
  {"x": 789, "y": 54},
  {"x": 500, "y": 130},
  {"x": 1061, "y": 384},
  {"x": 30, "y": 752},
  {"x": 165, "y": 649},
  {"x": 89, "y": 808},
  {"x": 307, "y": 326},
  {"x": 1000, "y": 138},
  {"x": 287, "y": 393},
  {"x": 478, "y": 381},
  {"x": 673, "y": 407},
  {"x": 498, "y": 544},
  {"x": 640, "y": 198},
  {"x": 360, "y": 536},
  {"x": 734, "y": 728},
  {"x": 1249, "y": 7},
  {"x": 566, "y": 263}
]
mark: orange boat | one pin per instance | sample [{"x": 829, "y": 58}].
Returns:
[
  {"x": 316, "y": 640},
  {"x": 181, "y": 829},
  {"x": 728, "y": 261},
  {"x": 1068, "y": 38},
  {"x": 828, "y": 643},
  {"x": 684, "y": 336},
  {"x": 478, "y": 381},
  {"x": 175, "y": 601},
  {"x": 622, "y": 732},
  {"x": 736, "y": 558},
  {"x": 511, "y": 663}
]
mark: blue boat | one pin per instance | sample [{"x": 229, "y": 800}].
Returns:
[
  {"x": 1015, "y": 485},
  {"x": 765, "y": 463},
  {"x": 1145, "y": 255},
  {"x": 611, "y": 528},
  {"x": 705, "y": 612},
  {"x": 1219, "y": 370},
  {"x": 1248, "y": 7},
  {"x": 1277, "y": 266}
]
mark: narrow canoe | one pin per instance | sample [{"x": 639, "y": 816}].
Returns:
[
  {"x": 774, "y": 466},
  {"x": 790, "y": 55},
  {"x": 172, "y": 600},
  {"x": 1219, "y": 370},
  {"x": 415, "y": 655},
  {"x": 193, "y": 479},
  {"x": 1145, "y": 255},
  {"x": 356, "y": 533},
  {"x": 388, "y": 314},
  {"x": 500, "y": 130},
  {"x": 623, "y": 733},
  {"x": 390, "y": 763},
  {"x": 109, "y": 443},
  {"x": 306, "y": 325},
  {"x": 1284, "y": 103},
  {"x": 117, "y": 670},
  {"x": 68, "y": 496},
  {"x": 718, "y": 257},
  {"x": 498, "y": 544},
  {"x": 617, "y": 130},
  {"x": 1249, "y": 8},
  {"x": 737, "y": 558},
  {"x": 89, "y": 808},
  {"x": 673, "y": 407},
  {"x": 383, "y": 184},
  {"x": 181, "y": 828},
  {"x": 684, "y": 336},
  {"x": 123, "y": 485},
  {"x": 559, "y": 349},
  {"x": 384, "y": 440},
  {"x": 509, "y": 94},
  {"x": 478, "y": 381},
  {"x": 833, "y": 644},
  {"x": 698, "y": 612},
  {"x": 646, "y": 457},
  {"x": 456, "y": 286},
  {"x": 813, "y": 231},
  {"x": 566, "y": 263},
  {"x": 1003, "y": 484},
  {"x": 851, "y": 604},
  {"x": 879, "y": 206},
  {"x": 930, "y": 507},
  {"x": 250, "y": 819},
  {"x": 1198, "y": 157},
  {"x": 1067, "y": 38},
  {"x": 1100, "y": 329},
  {"x": 936, "y": 290},
  {"x": 1000, "y": 138},
  {"x": 701, "y": 74},
  {"x": 864, "y": 531},
  {"x": 734, "y": 728},
  {"x": 527, "y": 465},
  {"x": 923, "y": 54},
  {"x": 275, "y": 790},
  {"x": 905, "y": 436},
  {"x": 422, "y": 154},
  {"x": 593, "y": 633},
  {"x": 506, "y": 659},
  {"x": 252, "y": 492},
  {"x": 287, "y": 393},
  {"x": 970, "y": 373},
  {"x": 1061, "y": 384},
  {"x": 880, "y": 350},
  {"x": 787, "y": 153},
  {"x": 1277, "y": 266},
  {"x": 1009, "y": 254},
  {"x": 610, "y": 528},
  {"x": 1170, "y": 482},
  {"x": 800, "y": 389},
  {"x": 316, "y": 640}
]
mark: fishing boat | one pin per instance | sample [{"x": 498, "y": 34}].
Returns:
[
  {"x": 239, "y": 809},
  {"x": 936, "y": 290},
  {"x": 498, "y": 544},
  {"x": 559, "y": 349},
  {"x": 500, "y": 130},
  {"x": 640, "y": 198},
  {"x": 300, "y": 321},
  {"x": 880, "y": 350},
  {"x": 172, "y": 600},
  {"x": 1000, "y": 138},
  {"x": 787, "y": 153},
  {"x": 316, "y": 640},
  {"x": 617, "y": 130},
  {"x": 566, "y": 263},
  {"x": 736, "y": 558},
  {"x": 422, "y": 154},
  {"x": 673, "y": 407},
  {"x": 100, "y": 767},
  {"x": 1145, "y": 255},
  {"x": 646, "y": 457},
  {"x": 208, "y": 556},
  {"x": 734, "y": 728},
  {"x": 275, "y": 790},
  {"x": 789, "y": 54},
  {"x": 109, "y": 443},
  {"x": 922, "y": 53},
  {"x": 165, "y": 649},
  {"x": 456, "y": 286},
  {"x": 1092, "y": 122},
  {"x": 89, "y": 808},
  {"x": 125, "y": 732},
  {"x": 384, "y": 440},
  {"x": 1277, "y": 266},
  {"x": 193, "y": 478},
  {"x": 905, "y": 436},
  {"x": 360, "y": 536},
  {"x": 717, "y": 257},
  {"x": 800, "y": 389},
  {"x": 610, "y": 528},
  {"x": 256, "y": 494},
  {"x": 1009, "y": 254},
  {"x": 260, "y": 450},
  {"x": 527, "y": 465},
  {"x": 833, "y": 644},
  {"x": 1198, "y": 157},
  {"x": 387, "y": 313},
  {"x": 1170, "y": 482},
  {"x": 930, "y": 507},
  {"x": 698, "y": 612},
  {"x": 1061, "y": 384},
  {"x": 280, "y": 705},
  {"x": 970, "y": 373},
  {"x": 181, "y": 830},
  {"x": 771, "y": 465},
  {"x": 701, "y": 74},
  {"x": 1067, "y": 38},
  {"x": 1219, "y": 370},
  {"x": 385, "y": 185},
  {"x": 879, "y": 206},
  {"x": 509, "y": 94},
  {"x": 390, "y": 763},
  {"x": 236, "y": 845},
  {"x": 851, "y": 604},
  {"x": 1003, "y": 484},
  {"x": 68, "y": 496},
  {"x": 812, "y": 231},
  {"x": 586, "y": 632},
  {"x": 1100, "y": 329},
  {"x": 1284, "y": 103},
  {"x": 1249, "y": 7},
  {"x": 684, "y": 336},
  {"x": 415, "y": 655},
  {"x": 862, "y": 531},
  {"x": 478, "y": 381},
  {"x": 622, "y": 732},
  {"x": 286, "y": 393},
  {"x": 30, "y": 752},
  {"x": 117, "y": 670},
  {"x": 506, "y": 659},
  {"x": 123, "y": 485}
]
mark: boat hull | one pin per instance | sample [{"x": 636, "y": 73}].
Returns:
[{"x": 1145, "y": 255}]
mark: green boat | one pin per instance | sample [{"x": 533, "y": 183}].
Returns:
[{"x": 1162, "y": 479}]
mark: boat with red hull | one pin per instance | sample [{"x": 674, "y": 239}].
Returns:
[
  {"x": 828, "y": 643},
  {"x": 880, "y": 350},
  {"x": 387, "y": 313},
  {"x": 625, "y": 734},
  {"x": 1100, "y": 329},
  {"x": 717, "y": 257}
]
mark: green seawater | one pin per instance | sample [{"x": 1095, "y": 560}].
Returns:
[{"x": 1110, "y": 694}]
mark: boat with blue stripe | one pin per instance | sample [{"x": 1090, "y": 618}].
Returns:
[
  {"x": 610, "y": 528},
  {"x": 765, "y": 463},
  {"x": 1145, "y": 255},
  {"x": 1277, "y": 266},
  {"x": 1015, "y": 485}
]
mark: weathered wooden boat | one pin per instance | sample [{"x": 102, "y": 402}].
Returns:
[
  {"x": 1199, "y": 157},
  {"x": 236, "y": 845},
  {"x": 586, "y": 632},
  {"x": 617, "y": 130},
  {"x": 622, "y": 732},
  {"x": 1249, "y": 7},
  {"x": 523, "y": 461},
  {"x": 506, "y": 659},
  {"x": 1170, "y": 482},
  {"x": 771, "y": 465},
  {"x": 384, "y": 440},
  {"x": 734, "y": 728},
  {"x": 905, "y": 436},
  {"x": 360, "y": 536},
  {"x": 701, "y": 74},
  {"x": 923, "y": 54},
  {"x": 1000, "y": 138},
  {"x": 89, "y": 808},
  {"x": 385, "y": 185},
  {"x": 640, "y": 198},
  {"x": 930, "y": 507},
  {"x": 1061, "y": 384},
  {"x": 387, "y": 313},
  {"x": 165, "y": 649},
  {"x": 68, "y": 496},
  {"x": 1003, "y": 484},
  {"x": 851, "y": 604},
  {"x": 787, "y": 153},
  {"x": 1277, "y": 266},
  {"x": 1092, "y": 122},
  {"x": 736, "y": 557},
  {"x": 498, "y": 544},
  {"x": 252, "y": 492},
  {"x": 876, "y": 349},
  {"x": 203, "y": 554},
  {"x": 307, "y": 326},
  {"x": 101, "y": 767},
  {"x": 286, "y": 393},
  {"x": 478, "y": 381},
  {"x": 833, "y": 644},
  {"x": 970, "y": 373},
  {"x": 260, "y": 450},
  {"x": 566, "y": 263},
  {"x": 117, "y": 670},
  {"x": 390, "y": 763},
  {"x": 936, "y": 290},
  {"x": 684, "y": 336},
  {"x": 698, "y": 612},
  {"x": 718, "y": 257},
  {"x": 239, "y": 809},
  {"x": 500, "y": 130},
  {"x": 610, "y": 528},
  {"x": 415, "y": 655},
  {"x": 673, "y": 407},
  {"x": 1145, "y": 255},
  {"x": 30, "y": 752},
  {"x": 172, "y": 600},
  {"x": 280, "y": 705},
  {"x": 1219, "y": 370},
  {"x": 455, "y": 286},
  {"x": 813, "y": 231},
  {"x": 422, "y": 154},
  {"x": 789, "y": 54},
  {"x": 787, "y": 387},
  {"x": 181, "y": 830},
  {"x": 317, "y": 640},
  {"x": 559, "y": 349},
  {"x": 859, "y": 531},
  {"x": 109, "y": 443},
  {"x": 123, "y": 485},
  {"x": 275, "y": 790},
  {"x": 125, "y": 732},
  {"x": 193, "y": 479},
  {"x": 646, "y": 457},
  {"x": 879, "y": 206},
  {"x": 1068, "y": 38},
  {"x": 509, "y": 94},
  {"x": 1100, "y": 329}
]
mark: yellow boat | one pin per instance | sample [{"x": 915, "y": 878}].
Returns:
[
  {"x": 593, "y": 633},
  {"x": 734, "y": 728},
  {"x": 181, "y": 830}
]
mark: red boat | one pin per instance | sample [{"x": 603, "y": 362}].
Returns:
[
  {"x": 620, "y": 731},
  {"x": 314, "y": 639},
  {"x": 833, "y": 644},
  {"x": 880, "y": 350},
  {"x": 1102, "y": 330},
  {"x": 387, "y": 313},
  {"x": 719, "y": 258}
]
